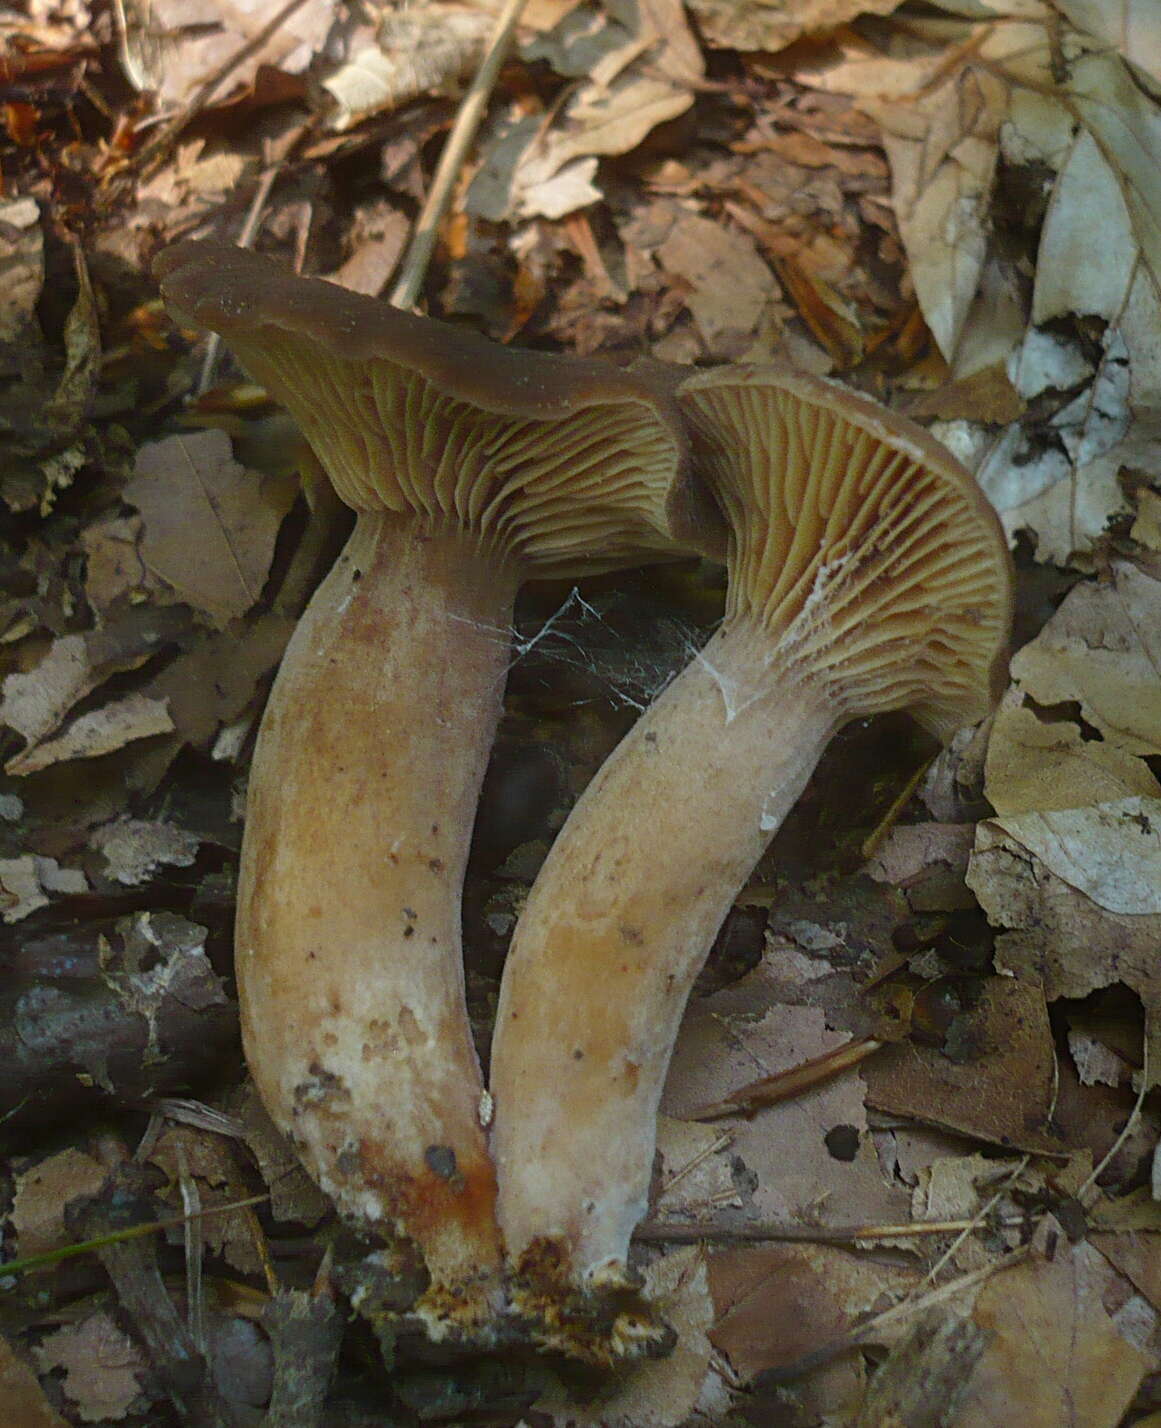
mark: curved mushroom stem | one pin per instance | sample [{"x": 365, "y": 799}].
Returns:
[
  {"x": 350, "y": 976},
  {"x": 615, "y": 930}
]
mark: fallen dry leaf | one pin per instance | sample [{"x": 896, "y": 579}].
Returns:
[
  {"x": 1067, "y": 766},
  {"x": 1060, "y": 479},
  {"x": 1084, "y": 714},
  {"x": 215, "y": 681},
  {"x": 1053, "y": 1357},
  {"x": 1126, "y": 124},
  {"x": 22, "y": 1400},
  {"x": 89, "y": 736},
  {"x": 133, "y": 848},
  {"x": 1133, "y": 27},
  {"x": 777, "y": 1304},
  {"x": 788, "y": 1171},
  {"x": 1001, "y": 1092},
  {"x": 28, "y": 883},
  {"x": 695, "y": 1181},
  {"x": 959, "y": 1187},
  {"x": 21, "y": 269},
  {"x": 927, "y": 862},
  {"x": 101, "y": 1366},
  {"x": 1096, "y": 1064},
  {"x": 210, "y": 525},
  {"x": 923, "y": 1379},
  {"x": 639, "y": 63},
  {"x": 41, "y": 1194},
  {"x": 1134, "y": 1254},
  {"x": 293, "y": 1194},
  {"x": 114, "y": 569},
  {"x": 943, "y": 148},
  {"x": 210, "y": 1160},
  {"x": 175, "y": 47},
  {"x": 378, "y": 237},
  {"x": 772, "y": 24},
  {"x": 1146, "y": 529},
  {"x": 1084, "y": 267},
  {"x": 1056, "y": 936},
  {"x": 728, "y": 315},
  {"x": 428, "y": 49},
  {"x": 196, "y": 181},
  {"x": 1109, "y": 851},
  {"x": 1039, "y": 763},
  {"x": 36, "y": 702},
  {"x": 66, "y": 409}
]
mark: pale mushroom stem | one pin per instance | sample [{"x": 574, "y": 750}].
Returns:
[
  {"x": 350, "y": 976},
  {"x": 615, "y": 930}
]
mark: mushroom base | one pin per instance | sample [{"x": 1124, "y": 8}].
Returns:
[{"x": 604, "y": 1322}]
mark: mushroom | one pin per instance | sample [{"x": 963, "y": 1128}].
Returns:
[
  {"x": 471, "y": 467},
  {"x": 866, "y": 573}
]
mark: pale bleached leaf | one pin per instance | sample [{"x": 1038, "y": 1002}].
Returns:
[
  {"x": 101, "y": 731},
  {"x": 638, "y": 79},
  {"x": 773, "y": 24},
  {"x": 1133, "y": 27},
  {"x": 942, "y": 169},
  {"x": 175, "y": 47},
  {"x": 1125, "y": 123},
  {"x": 21, "y": 265},
  {"x": 1111, "y": 852},
  {"x": 428, "y": 49},
  {"x": 29, "y": 882}
]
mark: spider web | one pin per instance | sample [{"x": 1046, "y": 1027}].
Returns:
[{"x": 627, "y": 671}]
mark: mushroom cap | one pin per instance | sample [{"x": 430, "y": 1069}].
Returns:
[
  {"x": 564, "y": 464},
  {"x": 856, "y": 540}
]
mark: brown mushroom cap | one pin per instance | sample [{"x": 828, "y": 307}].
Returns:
[
  {"x": 855, "y": 527},
  {"x": 411, "y": 415}
]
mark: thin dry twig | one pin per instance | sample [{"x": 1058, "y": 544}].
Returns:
[
  {"x": 245, "y": 240},
  {"x": 785, "y": 1373},
  {"x": 414, "y": 266},
  {"x": 692, "y": 1164},
  {"x": 147, "y": 1227},
  {"x": 664, "y": 1233},
  {"x": 877, "y": 836},
  {"x": 1086, "y": 1194},
  {"x": 979, "y": 1219},
  {"x": 158, "y": 148},
  {"x": 784, "y": 1084}
]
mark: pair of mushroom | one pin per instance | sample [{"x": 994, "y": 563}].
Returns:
[{"x": 866, "y": 573}]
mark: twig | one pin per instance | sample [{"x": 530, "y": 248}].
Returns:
[
  {"x": 133, "y": 1232},
  {"x": 306, "y": 1331},
  {"x": 662, "y": 1233},
  {"x": 245, "y": 239},
  {"x": 780, "y": 1087},
  {"x": 179, "y": 1363},
  {"x": 159, "y": 147},
  {"x": 692, "y": 1164},
  {"x": 786, "y": 1372},
  {"x": 978, "y": 1219},
  {"x": 414, "y": 267},
  {"x": 873, "y": 841},
  {"x": 195, "y": 1288},
  {"x": 1126, "y": 1130}
]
